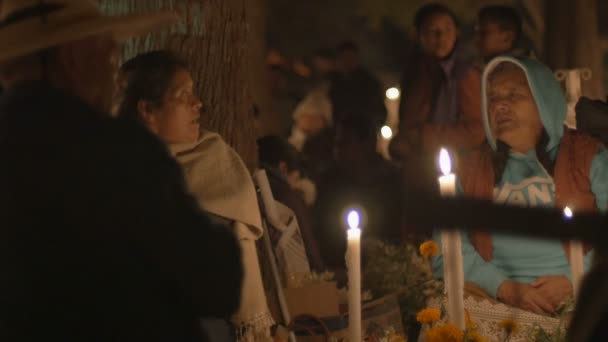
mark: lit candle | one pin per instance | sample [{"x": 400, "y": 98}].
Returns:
[
  {"x": 353, "y": 263},
  {"x": 576, "y": 257},
  {"x": 453, "y": 273}
]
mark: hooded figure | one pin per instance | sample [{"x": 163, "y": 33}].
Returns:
[{"x": 530, "y": 160}]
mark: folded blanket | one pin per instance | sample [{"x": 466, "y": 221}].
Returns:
[{"x": 218, "y": 178}]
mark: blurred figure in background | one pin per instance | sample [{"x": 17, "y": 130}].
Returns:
[
  {"x": 314, "y": 114},
  {"x": 101, "y": 240},
  {"x": 440, "y": 106},
  {"x": 282, "y": 165},
  {"x": 354, "y": 90},
  {"x": 360, "y": 178},
  {"x": 499, "y": 32}
]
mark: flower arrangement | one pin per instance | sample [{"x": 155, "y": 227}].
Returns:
[
  {"x": 429, "y": 249},
  {"x": 400, "y": 269},
  {"x": 439, "y": 331}
]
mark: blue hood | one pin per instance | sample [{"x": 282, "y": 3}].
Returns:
[{"x": 547, "y": 93}]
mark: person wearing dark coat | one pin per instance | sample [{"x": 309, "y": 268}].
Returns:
[
  {"x": 99, "y": 238},
  {"x": 354, "y": 90}
]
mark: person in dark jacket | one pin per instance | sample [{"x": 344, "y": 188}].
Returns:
[
  {"x": 354, "y": 90},
  {"x": 499, "y": 32},
  {"x": 441, "y": 102},
  {"x": 281, "y": 162},
  {"x": 100, "y": 240}
]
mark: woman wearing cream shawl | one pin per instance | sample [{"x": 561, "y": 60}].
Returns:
[{"x": 159, "y": 93}]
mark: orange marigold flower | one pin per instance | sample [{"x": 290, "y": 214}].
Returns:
[
  {"x": 451, "y": 333},
  {"x": 444, "y": 333},
  {"x": 429, "y": 249},
  {"x": 509, "y": 325},
  {"x": 428, "y": 316},
  {"x": 475, "y": 337},
  {"x": 434, "y": 335}
]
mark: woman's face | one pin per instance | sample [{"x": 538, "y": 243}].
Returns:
[
  {"x": 514, "y": 116},
  {"x": 177, "y": 119},
  {"x": 438, "y": 35}
]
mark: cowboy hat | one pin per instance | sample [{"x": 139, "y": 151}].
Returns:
[{"x": 27, "y": 26}]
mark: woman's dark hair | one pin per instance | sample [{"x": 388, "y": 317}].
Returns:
[
  {"x": 148, "y": 77},
  {"x": 507, "y": 18},
  {"x": 426, "y": 11}
]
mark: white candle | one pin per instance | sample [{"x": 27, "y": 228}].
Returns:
[
  {"x": 353, "y": 263},
  {"x": 576, "y": 257},
  {"x": 453, "y": 273}
]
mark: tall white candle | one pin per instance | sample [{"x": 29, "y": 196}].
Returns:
[
  {"x": 353, "y": 263},
  {"x": 577, "y": 265},
  {"x": 453, "y": 273}
]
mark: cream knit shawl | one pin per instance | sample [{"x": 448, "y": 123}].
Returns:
[{"x": 218, "y": 178}]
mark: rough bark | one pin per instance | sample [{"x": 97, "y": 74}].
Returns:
[
  {"x": 257, "y": 14},
  {"x": 213, "y": 37}
]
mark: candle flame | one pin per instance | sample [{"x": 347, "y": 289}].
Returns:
[
  {"x": 393, "y": 93},
  {"x": 353, "y": 219},
  {"x": 386, "y": 132},
  {"x": 568, "y": 214},
  {"x": 444, "y": 162}
]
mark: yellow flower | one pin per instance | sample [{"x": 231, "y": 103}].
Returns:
[
  {"x": 475, "y": 337},
  {"x": 428, "y": 316},
  {"x": 510, "y": 326},
  {"x": 451, "y": 333},
  {"x": 434, "y": 335},
  {"x": 429, "y": 249},
  {"x": 445, "y": 333}
]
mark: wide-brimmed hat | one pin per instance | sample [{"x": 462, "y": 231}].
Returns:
[{"x": 27, "y": 26}]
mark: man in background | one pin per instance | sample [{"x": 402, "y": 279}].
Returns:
[
  {"x": 100, "y": 240},
  {"x": 499, "y": 32}
]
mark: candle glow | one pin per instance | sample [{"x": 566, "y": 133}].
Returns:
[
  {"x": 353, "y": 265},
  {"x": 444, "y": 162},
  {"x": 353, "y": 219},
  {"x": 568, "y": 214},
  {"x": 393, "y": 93},
  {"x": 386, "y": 132},
  {"x": 451, "y": 243}
]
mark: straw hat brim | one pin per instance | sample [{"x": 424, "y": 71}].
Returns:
[{"x": 122, "y": 27}]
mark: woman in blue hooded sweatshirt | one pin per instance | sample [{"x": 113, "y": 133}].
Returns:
[{"x": 530, "y": 160}]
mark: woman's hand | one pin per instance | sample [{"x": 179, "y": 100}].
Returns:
[
  {"x": 555, "y": 289},
  {"x": 525, "y": 297}
]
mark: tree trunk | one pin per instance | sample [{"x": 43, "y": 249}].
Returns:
[
  {"x": 572, "y": 40},
  {"x": 213, "y": 36},
  {"x": 257, "y": 14}
]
